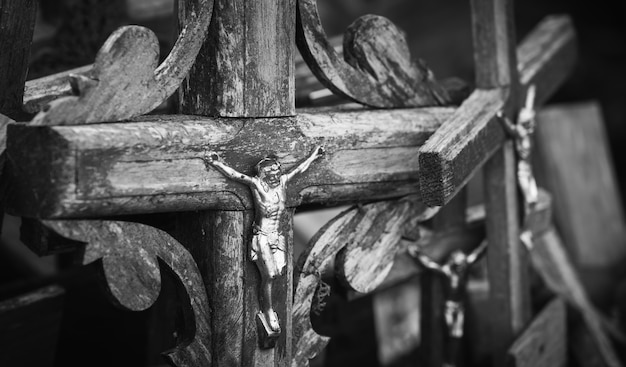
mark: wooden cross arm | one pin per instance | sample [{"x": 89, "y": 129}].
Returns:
[
  {"x": 155, "y": 164},
  {"x": 464, "y": 142}
]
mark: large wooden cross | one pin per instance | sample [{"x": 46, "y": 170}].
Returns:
[{"x": 70, "y": 170}]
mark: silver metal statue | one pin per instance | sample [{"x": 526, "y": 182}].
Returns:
[
  {"x": 268, "y": 248},
  {"x": 523, "y": 132},
  {"x": 455, "y": 271}
]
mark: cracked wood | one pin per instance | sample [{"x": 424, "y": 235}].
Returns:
[{"x": 154, "y": 164}]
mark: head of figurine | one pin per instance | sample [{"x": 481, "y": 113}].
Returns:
[
  {"x": 269, "y": 170},
  {"x": 458, "y": 258}
]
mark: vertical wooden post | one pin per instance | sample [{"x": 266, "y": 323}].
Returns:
[
  {"x": 245, "y": 69},
  {"x": 435, "y": 351},
  {"x": 496, "y": 67},
  {"x": 247, "y": 62},
  {"x": 17, "y": 22}
]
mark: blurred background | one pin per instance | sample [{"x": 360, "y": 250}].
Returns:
[{"x": 69, "y": 33}]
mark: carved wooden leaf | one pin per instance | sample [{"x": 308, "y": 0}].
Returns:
[
  {"x": 378, "y": 70},
  {"x": 367, "y": 259},
  {"x": 129, "y": 253},
  {"x": 125, "y": 81},
  {"x": 356, "y": 234}
]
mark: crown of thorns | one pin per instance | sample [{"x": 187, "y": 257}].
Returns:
[{"x": 267, "y": 161}]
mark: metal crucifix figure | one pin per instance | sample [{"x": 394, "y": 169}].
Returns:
[
  {"x": 523, "y": 132},
  {"x": 268, "y": 248},
  {"x": 455, "y": 271}
]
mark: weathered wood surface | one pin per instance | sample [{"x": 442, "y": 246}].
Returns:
[
  {"x": 378, "y": 70},
  {"x": 130, "y": 255},
  {"x": 126, "y": 80},
  {"x": 17, "y": 22},
  {"x": 465, "y": 141},
  {"x": 247, "y": 67},
  {"x": 40, "y": 92},
  {"x": 157, "y": 164},
  {"x": 218, "y": 241},
  {"x": 349, "y": 227},
  {"x": 575, "y": 164},
  {"x": 552, "y": 263},
  {"x": 367, "y": 259},
  {"x": 496, "y": 67},
  {"x": 544, "y": 342},
  {"x": 30, "y": 326}
]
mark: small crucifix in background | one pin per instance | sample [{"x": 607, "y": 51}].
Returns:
[
  {"x": 455, "y": 271},
  {"x": 268, "y": 247}
]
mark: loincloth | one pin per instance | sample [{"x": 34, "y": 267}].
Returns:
[{"x": 269, "y": 250}]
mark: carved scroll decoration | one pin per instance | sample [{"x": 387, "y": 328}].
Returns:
[
  {"x": 125, "y": 81},
  {"x": 370, "y": 235},
  {"x": 130, "y": 254},
  {"x": 377, "y": 71}
]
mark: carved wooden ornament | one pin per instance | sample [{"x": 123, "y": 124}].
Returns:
[
  {"x": 377, "y": 69},
  {"x": 130, "y": 254},
  {"x": 125, "y": 81},
  {"x": 354, "y": 233}
]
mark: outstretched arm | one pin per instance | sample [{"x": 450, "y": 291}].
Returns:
[
  {"x": 509, "y": 126},
  {"x": 477, "y": 253},
  {"x": 427, "y": 262},
  {"x": 317, "y": 152},
  {"x": 213, "y": 159}
]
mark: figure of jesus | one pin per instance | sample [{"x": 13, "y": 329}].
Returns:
[
  {"x": 455, "y": 271},
  {"x": 523, "y": 132},
  {"x": 268, "y": 248}
]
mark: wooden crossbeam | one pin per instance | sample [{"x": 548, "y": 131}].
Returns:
[
  {"x": 464, "y": 142},
  {"x": 155, "y": 164}
]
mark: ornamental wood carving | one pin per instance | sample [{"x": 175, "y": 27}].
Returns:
[
  {"x": 377, "y": 68},
  {"x": 130, "y": 255},
  {"x": 126, "y": 69},
  {"x": 369, "y": 234}
]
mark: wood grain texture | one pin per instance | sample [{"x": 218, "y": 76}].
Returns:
[
  {"x": 369, "y": 255},
  {"x": 544, "y": 342},
  {"x": 17, "y": 22},
  {"x": 378, "y": 70},
  {"x": 246, "y": 65},
  {"x": 130, "y": 254},
  {"x": 218, "y": 242},
  {"x": 575, "y": 162},
  {"x": 553, "y": 264},
  {"x": 496, "y": 67},
  {"x": 40, "y": 92},
  {"x": 347, "y": 228},
  {"x": 30, "y": 325},
  {"x": 156, "y": 164},
  {"x": 507, "y": 258},
  {"x": 126, "y": 80},
  {"x": 473, "y": 134}
]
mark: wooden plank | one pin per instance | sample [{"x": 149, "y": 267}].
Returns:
[
  {"x": 552, "y": 263},
  {"x": 496, "y": 67},
  {"x": 40, "y": 92},
  {"x": 30, "y": 325},
  {"x": 17, "y": 22},
  {"x": 436, "y": 348},
  {"x": 246, "y": 67},
  {"x": 157, "y": 164},
  {"x": 544, "y": 342},
  {"x": 465, "y": 141},
  {"x": 575, "y": 164},
  {"x": 218, "y": 242}
]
